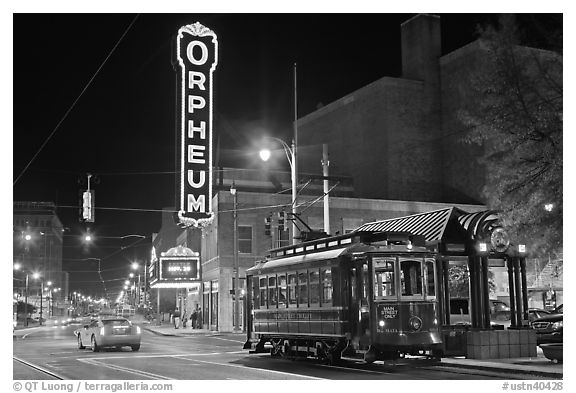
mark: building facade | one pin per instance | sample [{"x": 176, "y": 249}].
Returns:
[{"x": 37, "y": 248}]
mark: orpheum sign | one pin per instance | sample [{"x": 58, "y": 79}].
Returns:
[{"x": 197, "y": 55}]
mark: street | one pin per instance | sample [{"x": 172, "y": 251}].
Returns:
[{"x": 50, "y": 352}]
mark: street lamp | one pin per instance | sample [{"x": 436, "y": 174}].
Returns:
[
  {"x": 234, "y": 193},
  {"x": 290, "y": 152}
]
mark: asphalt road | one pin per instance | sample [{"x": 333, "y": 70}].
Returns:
[{"x": 51, "y": 352}]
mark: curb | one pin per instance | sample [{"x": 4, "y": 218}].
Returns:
[{"x": 511, "y": 370}]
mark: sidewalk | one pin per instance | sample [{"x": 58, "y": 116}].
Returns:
[{"x": 539, "y": 366}]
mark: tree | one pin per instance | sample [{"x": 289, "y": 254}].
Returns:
[
  {"x": 459, "y": 281},
  {"x": 516, "y": 117}
]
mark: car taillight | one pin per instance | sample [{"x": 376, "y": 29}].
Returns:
[
  {"x": 137, "y": 329},
  {"x": 102, "y": 330}
]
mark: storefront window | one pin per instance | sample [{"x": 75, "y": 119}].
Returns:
[{"x": 214, "y": 304}]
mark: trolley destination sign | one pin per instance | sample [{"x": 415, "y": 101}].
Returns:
[{"x": 197, "y": 57}]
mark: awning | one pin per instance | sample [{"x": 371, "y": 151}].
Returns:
[
  {"x": 285, "y": 261},
  {"x": 431, "y": 225},
  {"x": 479, "y": 222}
]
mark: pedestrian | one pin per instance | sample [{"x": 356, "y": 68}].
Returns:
[
  {"x": 194, "y": 318},
  {"x": 184, "y": 319},
  {"x": 198, "y": 318},
  {"x": 176, "y": 317}
]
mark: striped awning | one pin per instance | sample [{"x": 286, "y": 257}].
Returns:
[
  {"x": 479, "y": 222},
  {"x": 431, "y": 225}
]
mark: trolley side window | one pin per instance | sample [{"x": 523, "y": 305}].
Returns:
[
  {"x": 302, "y": 289},
  {"x": 430, "y": 279},
  {"x": 411, "y": 278},
  {"x": 263, "y": 292},
  {"x": 282, "y": 290},
  {"x": 364, "y": 289},
  {"x": 272, "y": 292},
  {"x": 384, "y": 277},
  {"x": 326, "y": 279},
  {"x": 314, "y": 287},
  {"x": 292, "y": 289},
  {"x": 255, "y": 293}
]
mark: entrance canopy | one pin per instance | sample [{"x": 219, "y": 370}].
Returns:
[{"x": 432, "y": 225}]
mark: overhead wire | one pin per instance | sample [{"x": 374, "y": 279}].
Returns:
[{"x": 74, "y": 103}]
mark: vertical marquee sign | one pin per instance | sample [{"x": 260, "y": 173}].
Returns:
[{"x": 197, "y": 55}]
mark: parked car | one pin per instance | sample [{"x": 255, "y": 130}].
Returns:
[
  {"x": 109, "y": 332},
  {"x": 549, "y": 329},
  {"x": 535, "y": 313}
]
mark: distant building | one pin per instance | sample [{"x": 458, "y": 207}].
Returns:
[{"x": 37, "y": 247}]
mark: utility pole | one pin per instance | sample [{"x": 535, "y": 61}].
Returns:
[
  {"x": 325, "y": 164},
  {"x": 234, "y": 193}
]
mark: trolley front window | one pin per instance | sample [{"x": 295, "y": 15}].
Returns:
[
  {"x": 411, "y": 278},
  {"x": 384, "y": 277},
  {"x": 430, "y": 279}
]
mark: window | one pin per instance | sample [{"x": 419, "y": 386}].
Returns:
[
  {"x": 326, "y": 279},
  {"x": 283, "y": 238},
  {"x": 263, "y": 292},
  {"x": 302, "y": 289},
  {"x": 364, "y": 289},
  {"x": 282, "y": 290},
  {"x": 292, "y": 288},
  {"x": 430, "y": 279},
  {"x": 255, "y": 301},
  {"x": 244, "y": 239},
  {"x": 272, "y": 292},
  {"x": 384, "y": 277},
  {"x": 314, "y": 287},
  {"x": 411, "y": 278}
]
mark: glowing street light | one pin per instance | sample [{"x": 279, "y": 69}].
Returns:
[{"x": 290, "y": 152}]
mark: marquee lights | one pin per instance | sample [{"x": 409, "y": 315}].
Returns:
[{"x": 197, "y": 55}]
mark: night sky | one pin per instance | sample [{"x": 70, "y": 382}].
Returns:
[{"x": 122, "y": 128}]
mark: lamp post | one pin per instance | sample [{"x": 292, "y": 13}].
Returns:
[
  {"x": 291, "y": 156},
  {"x": 49, "y": 298},
  {"x": 234, "y": 193},
  {"x": 136, "y": 266}
]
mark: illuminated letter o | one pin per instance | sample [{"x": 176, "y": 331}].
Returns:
[{"x": 190, "y": 52}]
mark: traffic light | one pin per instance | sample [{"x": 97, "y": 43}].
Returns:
[
  {"x": 87, "y": 206},
  {"x": 268, "y": 225},
  {"x": 281, "y": 216}
]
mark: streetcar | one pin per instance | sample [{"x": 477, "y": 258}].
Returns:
[{"x": 368, "y": 295}]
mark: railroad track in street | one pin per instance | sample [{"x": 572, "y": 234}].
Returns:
[{"x": 38, "y": 368}]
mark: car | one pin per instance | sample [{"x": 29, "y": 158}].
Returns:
[
  {"x": 549, "y": 329},
  {"x": 535, "y": 313},
  {"x": 110, "y": 332}
]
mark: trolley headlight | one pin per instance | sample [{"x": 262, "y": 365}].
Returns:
[{"x": 415, "y": 323}]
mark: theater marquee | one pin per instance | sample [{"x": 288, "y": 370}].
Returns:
[{"x": 197, "y": 56}]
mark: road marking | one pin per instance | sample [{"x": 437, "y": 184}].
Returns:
[
  {"x": 124, "y": 369},
  {"x": 252, "y": 368},
  {"x": 163, "y": 355},
  {"x": 35, "y": 366},
  {"x": 227, "y": 339}
]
